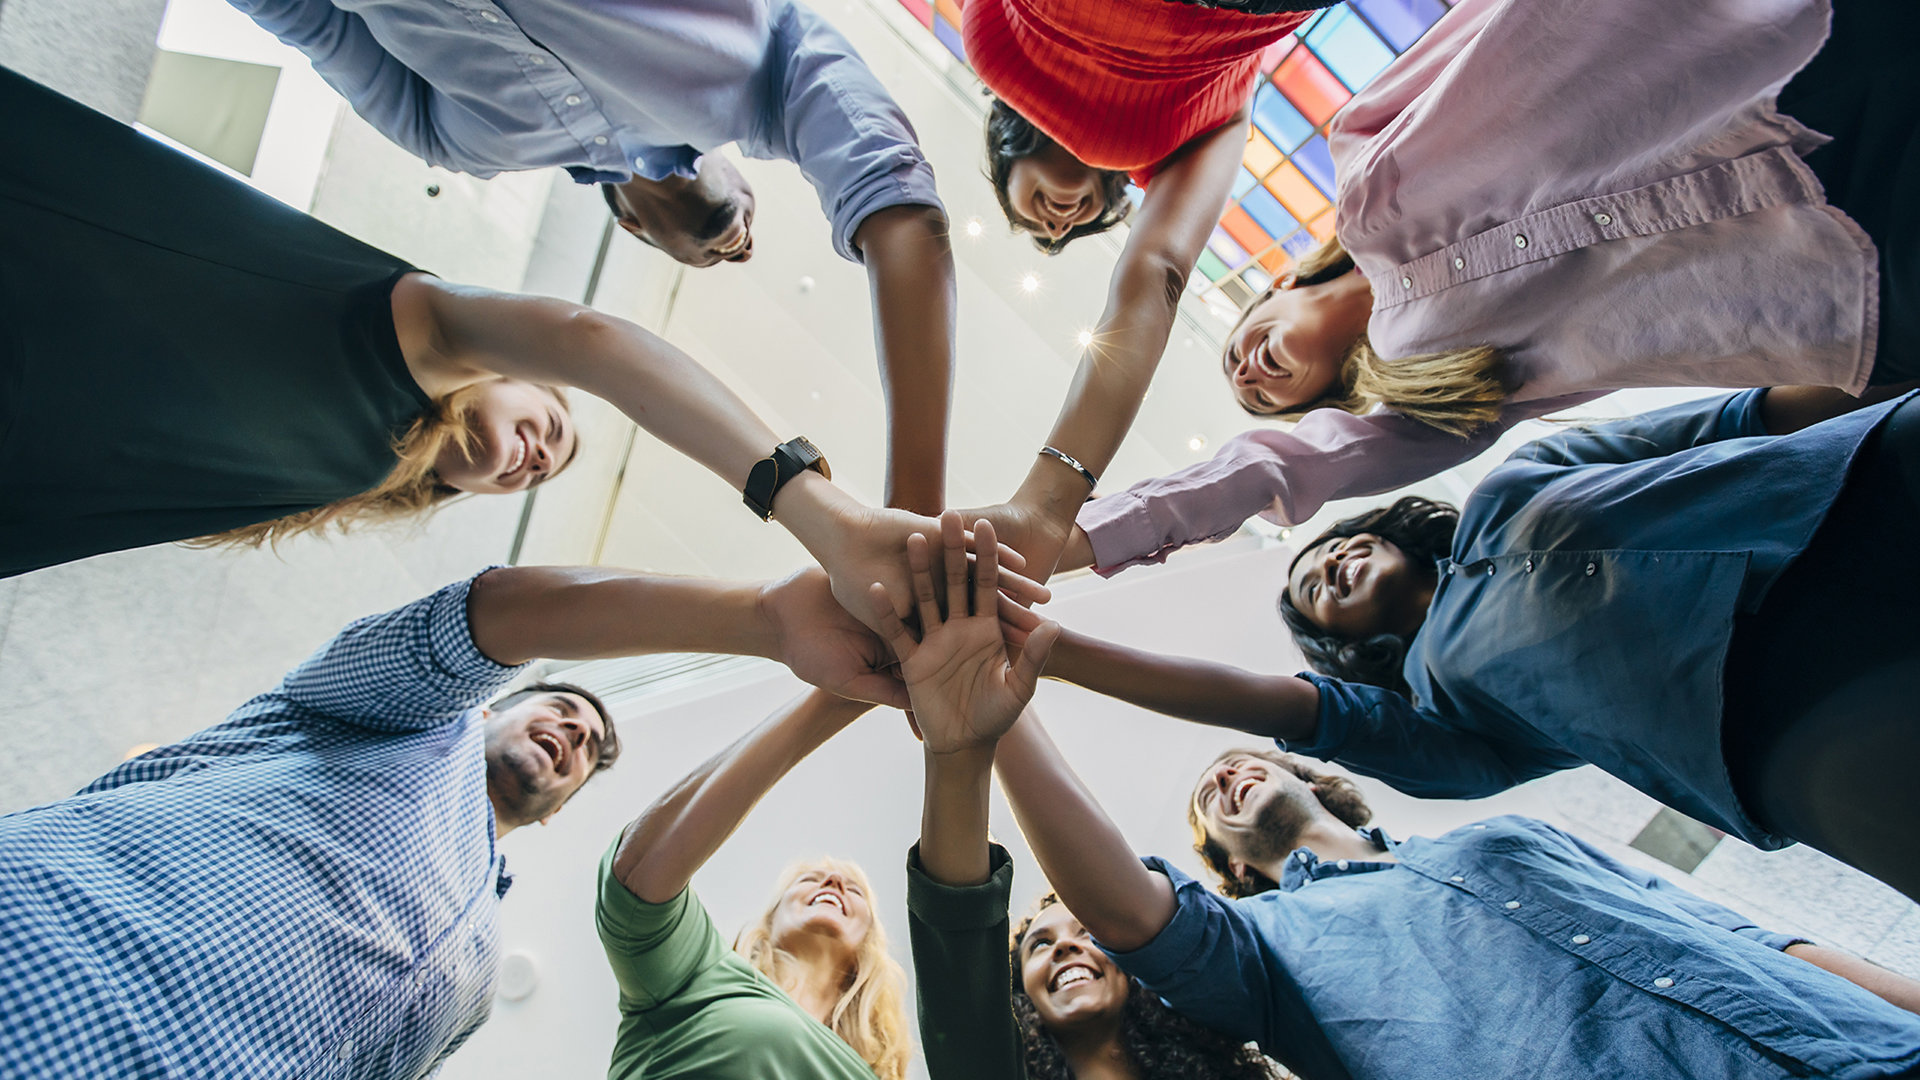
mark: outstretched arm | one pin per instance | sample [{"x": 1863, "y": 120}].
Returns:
[
  {"x": 1181, "y": 208},
  {"x": 1205, "y": 692},
  {"x": 518, "y": 613},
  {"x": 910, "y": 268},
  {"x": 1894, "y": 989},
  {"x": 453, "y": 335},
  {"x": 676, "y": 836}
]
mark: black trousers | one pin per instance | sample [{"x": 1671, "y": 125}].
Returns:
[
  {"x": 1822, "y": 722},
  {"x": 1864, "y": 90}
]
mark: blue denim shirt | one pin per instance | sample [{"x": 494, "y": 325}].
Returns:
[
  {"x": 1508, "y": 949},
  {"x": 308, "y": 889},
  {"x": 610, "y": 88},
  {"x": 1585, "y": 611}
]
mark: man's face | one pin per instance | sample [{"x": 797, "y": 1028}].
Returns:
[
  {"x": 699, "y": 222},
  {"x": 539, "y": 751},
  {"x": 1252, "y": 807}
]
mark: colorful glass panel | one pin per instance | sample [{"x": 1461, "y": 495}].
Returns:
[
  {"x": 1310, "y": 86},
  {"x": 1267, "y": 212},
  {"x": 1296, "y": 192},
  {"x": 1400, "y": 22},
  {"x": 1226, "y": 248},
  {"x": 949, "y": 35},
  {"x": 1278, "y": 119},
  {"x": 1244, "y": 230},
  {"x": 1314, "y": 159},
  {"x": 1211, "y": 266},
  {"x": 1354, "y": 52},
  {"x": 1243, "y": 183},
  {"x": 1261, "y": 155},
  {"x": 921, "y": 10}
]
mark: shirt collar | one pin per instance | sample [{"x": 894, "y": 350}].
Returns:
[{"x": 1303, "y": 866}]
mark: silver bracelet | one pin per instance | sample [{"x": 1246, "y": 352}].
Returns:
[{"x": 1085, "y": 473}]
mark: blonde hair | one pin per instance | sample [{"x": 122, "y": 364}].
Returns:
[
  {"x": 1458, "y": 391},
  {"x": 411, "y": 488},
  {"x": 871, "y": 1015}
]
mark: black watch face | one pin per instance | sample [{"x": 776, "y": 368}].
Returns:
[{"x": 760, "y": 483}]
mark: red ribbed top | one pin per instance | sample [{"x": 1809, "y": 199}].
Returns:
[{"x": 1121, "y": 84}]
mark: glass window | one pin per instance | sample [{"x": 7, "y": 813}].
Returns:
[{"x": 1278, "y": 119}]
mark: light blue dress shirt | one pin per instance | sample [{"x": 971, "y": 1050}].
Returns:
[
  {"x": 1586, "y": 608},
  {"x": 308, "y": 889},
  {"x": 611, "y": 88},
  {"x": 1508, "y": 949}
]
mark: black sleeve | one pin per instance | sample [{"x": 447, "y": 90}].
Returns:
[{"x": 963, "y": 971}]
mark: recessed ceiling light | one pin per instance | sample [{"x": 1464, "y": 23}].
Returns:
[
  {"x": 806, "y": 283},
  {"x": 1286, "y": 534},
  {"x": 1198, "y": 442},
  {"x": 974, "y": 228},
  {"x": 1084, "y": 337},
  {"x": 1030, "y": 283}
]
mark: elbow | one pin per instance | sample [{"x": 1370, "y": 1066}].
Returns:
[{"x": 1154, "y": 277}]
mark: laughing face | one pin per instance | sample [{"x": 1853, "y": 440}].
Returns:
[
  {"x": 824, "y": 901},
  {"x": 539, "y": 751},
  {"x": 1069, "y": 979},
  {"x": 1252, "y": 807},
  {"x": 700, "y": 221},
  {"x": 1291, "y": 348},
  {"x": 1358, "y": 586},
  {"x": 523, "y": 435}
]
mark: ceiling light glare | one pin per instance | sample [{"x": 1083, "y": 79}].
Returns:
[
  {"x": 1286, "y": 534},
  {"x": 974, "y": 228},
  {"x": 1084, "y": 337},
  {"x": 1198, "y": 442},
  {"x": 1030, "y": 283}
]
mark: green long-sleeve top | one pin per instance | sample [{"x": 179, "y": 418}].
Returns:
[{"x": 964, "y": 971}]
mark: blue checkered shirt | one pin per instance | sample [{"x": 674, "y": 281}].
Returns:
[{"x": 309, "y": 889}]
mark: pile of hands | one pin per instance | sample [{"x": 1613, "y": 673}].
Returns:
[{"x": 956, "y": 645}]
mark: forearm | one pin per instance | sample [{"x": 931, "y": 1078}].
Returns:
[
  {"x": 675, "y": 836},
  {"x": 1220, "y": 695},
  {"x": 520, "y": 613},
  {"x": 1895, "y": 989},
  {"x": 953, "y": 816},
  {"x": 1081, "y": 851},
  {"x": 909, "y": 262}
]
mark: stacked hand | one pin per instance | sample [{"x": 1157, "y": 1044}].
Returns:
[
  {"x": 824, "y": 645},
  {"x": 965, "y": 691}
]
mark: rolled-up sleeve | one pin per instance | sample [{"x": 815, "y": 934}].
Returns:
[
  {"x": 1207, "y": 962},
  {"x": 963, "y": 970},
  {"x": 847, "y": 134},
  {"x": 1287, "y": 474},
  {"x": 1381, "y": 734},
  {"x": 412, "y": 667}
]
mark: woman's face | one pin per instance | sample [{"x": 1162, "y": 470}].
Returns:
[
  {"x": 826, "y": 902},
  {"x": 1069, "y": 979},
  {"x": 1360, "y": 586},
  {"x": 524, "y": 435},
  {"x": 1289, "y": 349},
  {"x": 1052, "y": 192}
]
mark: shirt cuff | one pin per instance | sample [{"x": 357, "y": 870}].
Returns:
[
  {"x": 961, "y": 907},
  {"x": 1175, "y": 949},
  {"x": 906, "y": 181},
  {"x": 1772, "y": 939},
  {"x": 1121, "y": 532},
  {"x": 1740, "y": 416},
  {"x": 450, "y": 636},
  {"x": 1333, "y": 725}
]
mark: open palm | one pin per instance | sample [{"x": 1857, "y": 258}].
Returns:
[{"x": 965, "y": 691}]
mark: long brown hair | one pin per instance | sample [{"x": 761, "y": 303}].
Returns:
[
  {"x": 871, "y": 1015},
  {"x": 410, "y": 489},
  {"x": 1458, "y": 390}
]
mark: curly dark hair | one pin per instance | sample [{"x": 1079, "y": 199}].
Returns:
[
  {"x": 1423, "y": 529},
  {"x": 1161, "y": 1042},
  {"x": 1011, "y": 137},
  {"x": 1337, "y": 793}
]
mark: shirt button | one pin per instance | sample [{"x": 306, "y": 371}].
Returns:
[
  {"x": 1451, "y": 568},
  {"x": 1592, "y": 569},
  {"x": 639, "y": 163},
  {"x": 1511, "y": 904},
  {"x": 573, "y": 99},
  {"x": 1303, "y": 856},
  {"x": 599, "y": 140},
  {"x": 1581, "y": 939},
  {"x": 1459, "y": 263},
  {"x": 1520, "y": 240},
  {"x": 536, "y": 61},
  {"x": 1489, "y": 569},
  {"x": 1342, "y": 864},
  {"x": 1406, "y": 283},
  {"x": 489, "y": 16},
  {"x": 1603, "y": 218},
  {"x": 1456, "y": 879},
  {"x": 1479, "y": 826},
  {"x": 346, "y": 1049},
  {"x": 1528, "y": 565},
  {"x": 1663, "y": 982}
]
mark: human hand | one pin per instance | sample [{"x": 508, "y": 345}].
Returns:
[
  {"x": 816, "y": 637},
  {"x": 1038, "y": 536},
  {"x": 873, "y": 551},
  {"x": 965, "y": 692}
]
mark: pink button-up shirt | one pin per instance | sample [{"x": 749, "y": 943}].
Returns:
[{"x": 1604, "y": 191}]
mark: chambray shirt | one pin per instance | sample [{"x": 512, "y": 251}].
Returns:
[
  {"x": 1606, "y": 193},
  {"x": 308, "y": 889},
  {"x": 1586, "y": 607},
  {"x": 1508, "y": 949},
  {"x": 612, "y": 88}
]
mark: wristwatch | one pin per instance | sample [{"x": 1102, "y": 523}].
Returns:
[{"x": 770, "y": 474}]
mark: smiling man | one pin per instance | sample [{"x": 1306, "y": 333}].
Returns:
[
  {"x": 638, "y": 96},
  {"x": 312, "y": 886}
]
